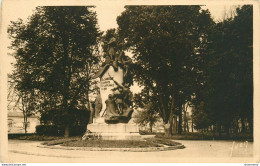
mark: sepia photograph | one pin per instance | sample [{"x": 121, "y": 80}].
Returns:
[{"x": 129, "y": 82}]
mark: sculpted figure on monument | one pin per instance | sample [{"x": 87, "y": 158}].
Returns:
[
  {"x": 111, "y": 106},
  {"x": 118, "y": 105},
  {"x": 128, "y": 78},
  {"x": 98, "y": 105},
  {"x": 112, "y": 54}
]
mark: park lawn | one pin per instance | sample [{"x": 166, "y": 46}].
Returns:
[
  {"x": 33, "y": 137},
  {"x": 206, "y": 136},
  {"x": 183, "y": 136},
  {"x": 162, "y": 141},
  {"x": 77, "y": 142},
  {"x": 111, "y": 144}
]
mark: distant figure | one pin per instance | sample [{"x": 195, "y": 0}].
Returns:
[
  {"x": 92, "y": 112},
  {"x": 98, "y": 105}
]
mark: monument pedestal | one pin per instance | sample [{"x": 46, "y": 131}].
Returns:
[{"x": 119, "y": 131}]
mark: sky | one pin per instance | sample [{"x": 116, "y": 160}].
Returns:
[{"x": 106, "y": 13}]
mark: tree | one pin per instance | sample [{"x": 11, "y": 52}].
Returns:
[
  {"x": 146, "y": 117},
  {"x": 21, "y": 100},
  {"x": 167, "y": 43},
  {"x": 55, "y": 58},
  {"x": 244, "y": 53},
  {"x": 149, "y": 114},
  {"x": 200, "y": 118}
]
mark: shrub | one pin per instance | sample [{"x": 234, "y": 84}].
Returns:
[{"x": 53, "y": 130}]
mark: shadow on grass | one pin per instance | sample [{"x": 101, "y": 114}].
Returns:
[
  {"x": 146, "y": 143},
  {"x": 207, "y": 136}
]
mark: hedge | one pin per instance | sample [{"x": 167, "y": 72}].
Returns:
[{"x": 52, "y": 130}]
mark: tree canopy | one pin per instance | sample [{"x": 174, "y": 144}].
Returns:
[
  {"x": 167, "y": 43},
  {"x": 228, "y": 89}
]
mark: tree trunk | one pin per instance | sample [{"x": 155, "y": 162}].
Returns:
[
  {"x": 67, "y": 131},
  {"x": 191, "y": 124},
  {"x": 91, "y": 111},
  {"x": 188, "y": 130},
  {"x": 180, "y": 123},
  {"x": 238, "y": 128},
  {"x": 67, "y": 78},
  {"x": 213, "y": 130},
  {"x": 219, "y": 130},
  {"x": 250, "y": 125},
  {"x": 174, "y": 125},
  {"x": 151, "y": 127},
  {"x": 186, "y": 123},
  {"x": 89, "y": 108},
  {"x": 24, "y": 117},
  {"x": 227, "y": 130},
  {"x": 167, "y": 129},
  {"x": 169, "y": 126},
  {"x": 185, "y": 118},
  {"x": 177, "y": 124},
  {"x": 243, "y": 125},
  {"x": 25, "y": 123}
]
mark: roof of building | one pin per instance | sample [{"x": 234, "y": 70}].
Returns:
[
  {"x": 19, "y": 114},
  {"x": 14, "y": 113}
]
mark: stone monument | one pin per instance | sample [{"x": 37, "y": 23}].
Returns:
[{"x": 113, "y": 105}]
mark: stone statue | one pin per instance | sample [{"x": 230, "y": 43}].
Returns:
[
  {"x": 118, "y": 105},
  {"x": 112, "y": 54},
  {"x": 92, "y": 111},
  {"x": 98, "y": 105},
  {"x": 111, "y": 109},
  {"x": 118, "y": 97},
  {"x": 114, "y": 104},
  {"x": 128, "y": 78}
]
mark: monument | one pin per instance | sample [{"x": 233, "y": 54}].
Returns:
[{"x": 113, "y": 105}]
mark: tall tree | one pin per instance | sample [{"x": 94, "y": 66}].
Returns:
[
  {"x": 167, "y": 44},
  {"x": 54, "y": 50},
  {"x": 228, "y": 89},
  {"x": 21, "y": 100}
]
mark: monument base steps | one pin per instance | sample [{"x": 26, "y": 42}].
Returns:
[{"x": 115, "y": 131}]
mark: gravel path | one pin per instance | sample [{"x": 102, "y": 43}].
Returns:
[{"x": 194, "y": 151}]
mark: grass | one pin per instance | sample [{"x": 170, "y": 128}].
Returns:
[
  {"x": 60, "y": 141},
  {"x": 206, "y": 136},
  {"x": 183, "y": 136},
  {"x": 162, "y": 141},
  {"x": 111, "y": 144},
  {"x": 77, "y": 142},
  {"x": 186, "y": 136},
  {"x": 35, "y": 137}
]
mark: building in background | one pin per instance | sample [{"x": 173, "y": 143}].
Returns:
[{"x": 16, "y": 123}]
